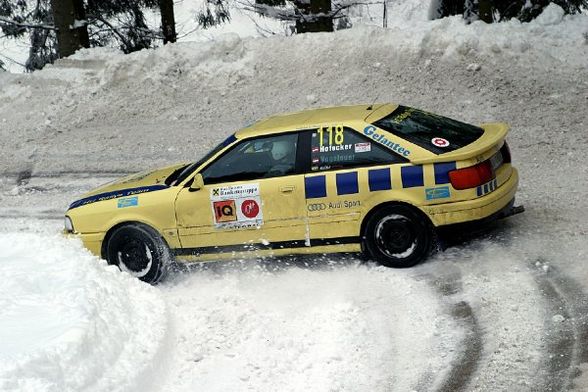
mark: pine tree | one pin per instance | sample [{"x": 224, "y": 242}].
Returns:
[
  {"x": 499, "y": 10},
  {"x": 118, "y": 23}
]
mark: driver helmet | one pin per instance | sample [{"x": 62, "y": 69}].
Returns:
[{"x": 280, "y": 149}]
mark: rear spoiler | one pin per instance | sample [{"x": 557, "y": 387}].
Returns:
[{"x": 494, "y": 135}]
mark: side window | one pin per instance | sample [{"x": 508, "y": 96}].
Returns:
[
  {"x": 251, "y": 159},
  {"x": 339, "y": 147}
]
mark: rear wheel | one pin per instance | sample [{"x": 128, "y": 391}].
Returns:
[
  {"x": 398, "y": 236},
  {"x": 139, "y": 250}
]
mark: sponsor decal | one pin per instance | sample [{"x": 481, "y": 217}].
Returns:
[
  {"x": 236, "y": 207},
  {"x": 316, "y": 160},
  {"x": 250, "y": 208},
  {"x": 440, "y": 142},
  {"x": 128, "y": 202},
  {"x": 363, "y": 147},
  {"x": 371, "y": 132},
  {"x": 318, "y": 207},
  {"x": 116, "y": 195},
  {"x": 315, "y": 149},
  {"x": 437, "y": 193},
  {"x": 224, "y": 211}
]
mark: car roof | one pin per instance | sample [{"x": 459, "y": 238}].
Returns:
[{"x": 311, "y": 118}]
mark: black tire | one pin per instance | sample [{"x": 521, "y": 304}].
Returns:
[
  {"x": 397, "y": 236},
  {"x": 139, "y": 250}
]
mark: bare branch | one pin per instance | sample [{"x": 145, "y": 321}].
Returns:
[{"x": 27, "y": 25}]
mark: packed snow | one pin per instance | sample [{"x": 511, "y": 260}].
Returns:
[{"x": 505, "y": 311}]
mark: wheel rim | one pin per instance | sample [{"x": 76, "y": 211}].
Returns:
[
  {"x": 396, "y": 236},
  {"x": 135, "y": 257}
]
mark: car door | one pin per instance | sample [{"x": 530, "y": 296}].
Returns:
[
  {"x": 253, "y": 197},
  {"x": 345, "y": 167}
]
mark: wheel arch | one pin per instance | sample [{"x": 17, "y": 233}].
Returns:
[
  {"x": 109, "y": 232},
  {"x": 378, "y": 207}
]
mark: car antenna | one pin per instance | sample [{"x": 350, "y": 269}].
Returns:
[{"x": 371, "y": 107}]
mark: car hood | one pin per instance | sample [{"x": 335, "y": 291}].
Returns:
[{"x": 134, "y": 184}]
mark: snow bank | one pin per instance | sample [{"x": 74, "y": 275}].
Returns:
[{"x": 69, "y": 323}]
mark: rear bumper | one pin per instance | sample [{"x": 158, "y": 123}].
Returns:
[{"x": 489, "y": 207}]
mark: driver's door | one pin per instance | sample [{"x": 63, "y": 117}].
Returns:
[{"x": 253, "y": 197}]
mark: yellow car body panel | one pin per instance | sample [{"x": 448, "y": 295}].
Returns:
[{"x": 304, "y": 213}]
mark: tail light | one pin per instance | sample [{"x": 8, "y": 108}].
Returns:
[{"x": 471, "y": 177}]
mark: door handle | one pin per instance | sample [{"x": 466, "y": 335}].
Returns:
[{"x": 287, "y": 189}]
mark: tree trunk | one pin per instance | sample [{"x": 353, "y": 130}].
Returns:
[
  {"x": 168, "y": 22},
  {"x": 72, "y": 31},
  {"x": 451, "y": 7},
  {"x": 485, "y": 10},
  {"x": 312, "y": 23}
]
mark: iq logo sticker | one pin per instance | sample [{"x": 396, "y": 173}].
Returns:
[{"x": 224, "y": 211}]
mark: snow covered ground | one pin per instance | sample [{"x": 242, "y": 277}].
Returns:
[{"x": 506, "y": 311}]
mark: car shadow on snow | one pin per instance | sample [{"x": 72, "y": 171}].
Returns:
[{"x": 454, "y": 239}]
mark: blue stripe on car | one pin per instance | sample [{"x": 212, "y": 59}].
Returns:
[
  {"x": 115, "y": 195},
  {"x": 379, "y": 180},
  {"x": 347, "y": 183},
  {"x": 412, "y": 176},
  {"x": 442, "y": 172},
  {"x": 315, "y": 187}
]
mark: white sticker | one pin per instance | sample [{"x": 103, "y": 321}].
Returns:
[
  {"x": 363, "y": 147},
  {"x": 236, "y": 207},
  {"x": 440, "y": 142}
]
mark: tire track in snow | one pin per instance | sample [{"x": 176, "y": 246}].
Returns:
[
  {"x": 466, "y": 363},
  {"x": 566, "y": 329}
]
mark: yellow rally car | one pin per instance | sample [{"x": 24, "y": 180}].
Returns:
[{"x": 379, "y": 179}]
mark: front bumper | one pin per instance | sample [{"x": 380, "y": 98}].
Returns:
[{"x": 92, "y": 241}]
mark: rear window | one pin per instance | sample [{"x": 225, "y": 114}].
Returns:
[{"x": 435, "y": 133}]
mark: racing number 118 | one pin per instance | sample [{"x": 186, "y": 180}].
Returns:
[{"x": 335, "y": 133}]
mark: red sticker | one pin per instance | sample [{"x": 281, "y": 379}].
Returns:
[
  {"x": 250, "y": 208},
  {"x": 440, "y": 142},
  {"x": 315, "y": 149},
  {"x": 224, "y": 211}
]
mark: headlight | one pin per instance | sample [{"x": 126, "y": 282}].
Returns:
[{"x": 68, "y": 225}]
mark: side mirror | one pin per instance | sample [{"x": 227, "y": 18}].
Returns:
[{"x": 197, "y": 184}]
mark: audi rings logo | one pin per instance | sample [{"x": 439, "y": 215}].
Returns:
[{"x": 317, "y": 207}]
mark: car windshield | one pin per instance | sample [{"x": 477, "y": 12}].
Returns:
[
  {"x": 190, "y": 168},
  {"x": 435, "y": 133}
]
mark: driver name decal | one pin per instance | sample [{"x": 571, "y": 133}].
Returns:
[{"x": 236, "y": 207}]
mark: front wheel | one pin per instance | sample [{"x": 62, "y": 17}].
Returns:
[
  {"x": 397, "y": 236},
  {"x": 139, "y": 250}
]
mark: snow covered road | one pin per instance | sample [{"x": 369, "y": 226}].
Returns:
[
  {"x": 504, "y": 311},
  {"x": 482, "y": 315}
]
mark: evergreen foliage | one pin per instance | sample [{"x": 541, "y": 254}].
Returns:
[
  {"x": 500, "y": 10},
  {"x": 118, "y": 23},
  {"x": 215, "y": 12}
]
